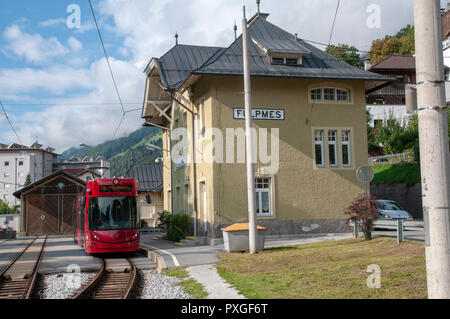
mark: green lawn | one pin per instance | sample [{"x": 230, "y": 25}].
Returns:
[
  {"x": 407, "y": 173},
  {"x": 334, "y": 269}
]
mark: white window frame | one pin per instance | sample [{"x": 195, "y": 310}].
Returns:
[
  {"x": 334, "y": 144},
  {"x": 346, "y": 140},
  {"x": 321, "y": 144},
  {"x": 260, "y": 191},
  {"x": 335, "y": 94},
  {"x": 337, "y": 144}
]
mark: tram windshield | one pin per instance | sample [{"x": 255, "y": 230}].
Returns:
[{"x": 113, "y": 213}]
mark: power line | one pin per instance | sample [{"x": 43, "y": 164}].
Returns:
[
  {"x": 326, "y": 45},
  {"x": 334, "y": 21},
  {"x": 70, "y": 104},
  {"x": 10, "y": 124},
  {"x": 109, "y": 66}
]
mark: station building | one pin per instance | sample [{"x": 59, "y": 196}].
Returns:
[{"x": 312, "y": 101}]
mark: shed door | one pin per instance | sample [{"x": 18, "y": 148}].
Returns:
[
  {"x": 50, "y": 215},
  {"x": 42, "y": 215},
  {"x": 67, "y": 207}
]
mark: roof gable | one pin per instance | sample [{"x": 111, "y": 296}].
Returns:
[
  {"x": 396, "y": 61},
  {"x": 177, "y": 64}
]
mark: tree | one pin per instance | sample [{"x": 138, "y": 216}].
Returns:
[
  {"x": 346, "y": 53},
  {"x": 27, "y": 180},
  {"x": 364, "y": 211},
  {"x": 402, "y": 43},
  {"x": 5, "y": 209},
  {"x": 374, "y": 147},
  {"x": 394, "y": 137}
]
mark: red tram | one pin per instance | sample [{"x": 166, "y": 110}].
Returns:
[{"x": 106, "y": 217}]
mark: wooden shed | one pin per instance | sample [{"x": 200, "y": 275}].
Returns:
[{"x": 47, "y": 205}]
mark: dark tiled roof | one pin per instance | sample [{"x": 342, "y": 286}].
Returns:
[
  {"x": 177, "y": 64},
  {"x": 396, "y": 62},
  {"x": 150, "y": 177},
  {"x": 182, "y": 61}
]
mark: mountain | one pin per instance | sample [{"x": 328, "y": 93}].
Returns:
[{"x": 123, "y": 152}]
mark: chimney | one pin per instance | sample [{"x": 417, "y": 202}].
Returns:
[{"x": 367, "y": 64}]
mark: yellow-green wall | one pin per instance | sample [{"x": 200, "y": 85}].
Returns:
[{"x": 301, "y": 192}]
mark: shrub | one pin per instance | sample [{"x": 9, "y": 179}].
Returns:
[
  {"x": 176, "y": 225},
  {"x": 144, "y": 223},
  {"x": 364, "y": 211}
]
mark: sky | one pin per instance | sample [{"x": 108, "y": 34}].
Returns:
[{"x": 54, "y": 79}]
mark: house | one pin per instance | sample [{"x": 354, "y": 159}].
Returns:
[
  {"x": 100, "y": 166},
  {"x": 17, "y": 161},
  {"x": 309, "y": 115},
  {"x": 382, "y": 102},
  {"x": 150, "y": 198}
]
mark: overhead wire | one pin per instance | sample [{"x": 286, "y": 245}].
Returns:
[
  {"x": 10, "y": 124},
  {"x": 110, "y": 70}
]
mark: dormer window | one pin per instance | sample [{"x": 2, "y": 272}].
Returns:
[
  {"x": 291, "y": 61},
  {"x": 278, "y": 61},
  {"x": 286, "y": 61},
  {"x": 283, "y": 51}
]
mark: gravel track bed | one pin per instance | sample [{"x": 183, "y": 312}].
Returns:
[
  {"x": 154, "y": 286},
  {"x": 60, "y": 286}
]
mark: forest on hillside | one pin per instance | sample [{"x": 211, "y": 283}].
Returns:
[{"x": 123, "y": 152}]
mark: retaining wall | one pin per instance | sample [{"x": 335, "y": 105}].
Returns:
[{"x": 408, "y": 197}]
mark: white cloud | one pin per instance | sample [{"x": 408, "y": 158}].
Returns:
[
  {"x": 83, "y": 118},
  {"x": 33, "y": 47},
  {"x": 74, "y": 44},
  {"x": 52, "y": 22},
  {"x": 56, "y": 80}
]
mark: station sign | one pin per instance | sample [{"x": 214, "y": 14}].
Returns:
[{"x": 260, "y": 114}]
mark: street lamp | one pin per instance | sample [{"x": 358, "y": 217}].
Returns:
[{"x": 152, "y": 147}]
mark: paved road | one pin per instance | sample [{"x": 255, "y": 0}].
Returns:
[{"x": 206, "y": 255}]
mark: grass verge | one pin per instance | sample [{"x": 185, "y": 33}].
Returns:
[
  {"x": 407, "y": 173},
  {"x": 191, "y": 286},
  {"x": 329, "y": 270}
]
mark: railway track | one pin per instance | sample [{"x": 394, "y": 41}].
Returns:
[
  {"x": 110, "y": 285},
  {"x": 18, "y": 279}
]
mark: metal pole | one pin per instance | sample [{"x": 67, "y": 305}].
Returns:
[
  {"x": 434, "y": 149},
  {"x": 249, "y": 138}
]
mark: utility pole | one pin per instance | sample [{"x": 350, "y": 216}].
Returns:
[
  {"x": 434, "y": 148},
  {"x": 252, "y": 231}
]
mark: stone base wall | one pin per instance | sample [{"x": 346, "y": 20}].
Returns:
[
  {"x": 408, "y": 197},
  {"x": 297, "y": 227}
]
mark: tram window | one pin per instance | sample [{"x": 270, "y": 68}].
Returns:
[{"x": 110, "y": 213}]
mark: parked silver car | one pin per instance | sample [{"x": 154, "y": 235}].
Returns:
[{"x": 391, "y": 210}]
